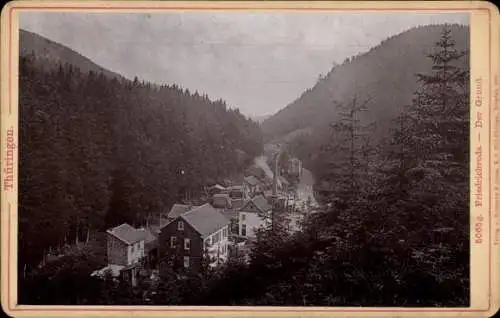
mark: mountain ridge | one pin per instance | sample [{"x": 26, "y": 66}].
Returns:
[
  {"x": 372, "y": 75},
  {"x": 54, "y": 53}
]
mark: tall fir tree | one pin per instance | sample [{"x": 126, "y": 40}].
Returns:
[
  {"x": 345, "y": 157},
  {"x": 439, "y": 112}
]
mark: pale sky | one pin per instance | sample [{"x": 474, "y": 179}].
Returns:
[{"x": 256, "y": 61}]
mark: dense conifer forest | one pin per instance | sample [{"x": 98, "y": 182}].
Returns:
[{"x": 96, "y": 152}]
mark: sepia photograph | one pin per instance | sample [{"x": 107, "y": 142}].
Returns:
[{"x": 245, "y": 158}]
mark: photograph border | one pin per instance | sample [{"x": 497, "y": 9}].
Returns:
[{"x": 489, "y": 224}]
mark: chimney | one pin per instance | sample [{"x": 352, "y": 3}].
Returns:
[{"x": 275, "y": 177}]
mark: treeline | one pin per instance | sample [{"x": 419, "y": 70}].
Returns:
[{"x": 98, "y": 151}]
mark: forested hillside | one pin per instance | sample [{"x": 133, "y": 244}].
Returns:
[
  {"x": 396, "y": 205},
  {"x": 96, "y": 152},
  {"x": 385, "y": 75}
]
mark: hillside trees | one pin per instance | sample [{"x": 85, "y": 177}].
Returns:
[
  {"x": 376, "y": 74},
  {"x": 403, "y": 237},
  {"x": 343, "y": 160},
  {"x": 439, "y": 114},
  {"x": 96, "y": 152},
  {"x": 417, "y": 212},
  {"x": 438, "y": 128}
]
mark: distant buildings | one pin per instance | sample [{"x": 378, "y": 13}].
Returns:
[
  {"x": 284, "y": 184},
  {"x": 215, "y": 189},
  {"x": 254, "y": 185},
  {"x": 238, "y": 191},
  {"x": 295, "y": 167},
  {"x": 221, "y": 201},
  {"x": 254, "y": 214}
]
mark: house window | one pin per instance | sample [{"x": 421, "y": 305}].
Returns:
[
  {"x": 217, "y": 237},
  {"x": 234, "y": 226},
  {"x": 173, "y": 239},
  {"x": 243, "y": 217},
  {"x": 180, "y": 226},
  {"x": 186, "y": 261},
  {"x": 187, "y": 244},
  {"x": 243, "y": 230}
]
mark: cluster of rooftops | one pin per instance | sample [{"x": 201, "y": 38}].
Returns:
[
  {"x": 225, "y": 205},
  {"x": 204, "y": 219},
  {"x": 207, "y": 218}
]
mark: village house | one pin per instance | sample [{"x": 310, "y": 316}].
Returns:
[
  {"x": 254, "y": 185},
  {"x": 238, "y": 191},
  {"x": 230, "y": 209},
  {"x": 295, "y": 167},
  {"x": 221, "y": 201},
  {"x": 216, "y": 189},
  {"x": 197, "y": 235},
  {"x": 176, "y": 210},
  {"x": 125, "y": 250},
  {"x": 254, "y": 214}
]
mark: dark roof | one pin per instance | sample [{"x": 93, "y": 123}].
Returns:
[
  {"x": 261, "y": 203},
  {"x": 205, "y": 219},
  {"x": 128, "y": 234},
  {"x": 178, "y": 209},
  {"x": 252, "y": 180},
  {"x": 221, "y": 200}
]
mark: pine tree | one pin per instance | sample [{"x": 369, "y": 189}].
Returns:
[
  {"x": 439, "y": 113},
  {"x": 346, "y": 155},
  {"x": 428, "y": 170}
]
